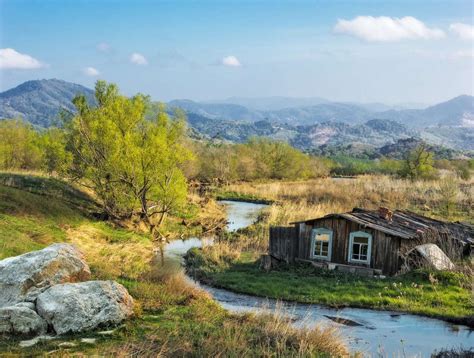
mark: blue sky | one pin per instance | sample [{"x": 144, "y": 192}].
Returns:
[{"x": 366, "y": 51}]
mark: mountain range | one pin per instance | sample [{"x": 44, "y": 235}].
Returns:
[
  {"x": 458, "y": 111},
  {"x": 40, "y": 101},
  {"x": 306, "y": 123}
]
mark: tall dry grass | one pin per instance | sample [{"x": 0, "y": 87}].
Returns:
[
  {"x": 319, "y": 197},
  {"x": 271, "y": 334}
]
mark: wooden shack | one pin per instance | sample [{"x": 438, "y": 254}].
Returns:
[{"x": 367, "y": 241}]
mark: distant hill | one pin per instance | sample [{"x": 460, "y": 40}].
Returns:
[
  {"x": 376, "y": 132},
  {"x": 395, "y": 150},
  {"x": 272, "y": 103},
  {"x": 458, "y": 111},
  {"x": 276, "y": 103},
  {"x": 325, "y": 112},
  {"x": 238, "y": 132},
  {"x": 305, "y": 122},
  {"x": 399, "y": 149},
  {"x": 233, "y": 112},
  {"x": 449, "y": 124},
  {"x": 40, "y": 101},
  {"x": 302, "y": 115}
]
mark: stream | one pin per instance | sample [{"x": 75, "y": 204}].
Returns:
[{"x": 373, "y": 333}]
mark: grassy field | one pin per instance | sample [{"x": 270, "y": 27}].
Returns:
[
  {"x": 173, "y": 318},
  {"x": 443, "y": 295},
  {"x": 446, "y": 198}
]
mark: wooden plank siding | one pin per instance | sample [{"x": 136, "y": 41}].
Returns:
[
  {"x": 283, "y": 243},
  {"x": 287, "y": 244}
]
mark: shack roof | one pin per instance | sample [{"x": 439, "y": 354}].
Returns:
[{"x": 403, "y": 224}]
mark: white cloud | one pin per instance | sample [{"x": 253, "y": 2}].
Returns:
[
  {"x": 11, "y": 59},
  {"x": 386, "y": 29},
  {"x": 464, "y": 31},
  {"x": 103, "y": 47},
  {"x": 231, "y": 61},
  {"x": 138, "y": 59},
  {"x": 91, "y": 71}
]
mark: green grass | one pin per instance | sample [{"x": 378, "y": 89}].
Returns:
[
  {"x": 30, "y": 222},
  {"x": 49, "y": 187},
  {"x": 445, "y": 295}
]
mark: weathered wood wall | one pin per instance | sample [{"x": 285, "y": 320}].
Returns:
[
  {"x": 288, "y": 243},
  {"x": 283, "y": 243},
  {"x": 387, "y": 251},
  {"x": 385, "y": 248}
]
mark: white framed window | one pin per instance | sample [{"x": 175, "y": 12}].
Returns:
[
  {"x": 360, "y": 247},
  {"x": 321, "y": 244}
]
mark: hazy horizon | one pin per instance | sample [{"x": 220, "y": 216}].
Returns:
[{"x": 392, "y": 52}]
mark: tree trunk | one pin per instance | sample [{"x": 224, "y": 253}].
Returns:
[{"x": 162, "y": 217}]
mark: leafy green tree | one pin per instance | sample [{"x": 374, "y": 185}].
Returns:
[
  {"x": 19, "y": 146},
  {"x": 259, "y": 158},
  {"x": 128, "y": 160},
  {"x": 418, "y": 164},
  {"x": 390, "y": 166},
  {"x": 55, "y": 157},
  {"x": 279, "y": 160}
]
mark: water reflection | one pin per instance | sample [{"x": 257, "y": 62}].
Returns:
[{"x": 241, "y": 214}]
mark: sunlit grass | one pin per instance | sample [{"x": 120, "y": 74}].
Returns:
[{"x": 313, "y": 198}]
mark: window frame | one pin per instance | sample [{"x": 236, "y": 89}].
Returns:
[
  {"x": 314, "y": 233},
  {"x": 352, "y": 236}
]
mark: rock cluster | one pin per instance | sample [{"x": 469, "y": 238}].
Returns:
[{"x": 44, "y": 290}]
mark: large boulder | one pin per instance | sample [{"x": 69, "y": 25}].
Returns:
[
  {"x": 77, "y": 307},
  {"x": 21, "y": 320},
  {"x": 429, "y": 255},
  {"x": 24, "y": 277}
]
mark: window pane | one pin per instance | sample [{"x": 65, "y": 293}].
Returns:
[
  {"x": 321, "y": 244},
  {"x": 361, "y": 240},
  {"x": 360, "y": 248},
  {"x": 317, "y": 248},
  {"x": 355, "y": 249},
  {"x": 322, "y": 237}
]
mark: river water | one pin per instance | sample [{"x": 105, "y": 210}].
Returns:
[{"x": 377, "y": 333}]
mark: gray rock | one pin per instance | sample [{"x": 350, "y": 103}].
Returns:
[
  {"x": 29, "y": 305},
  {"x": 77, "y": 307},
  {"x": 24, "y": 277},
  {"x": 18, "y": 320}
]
